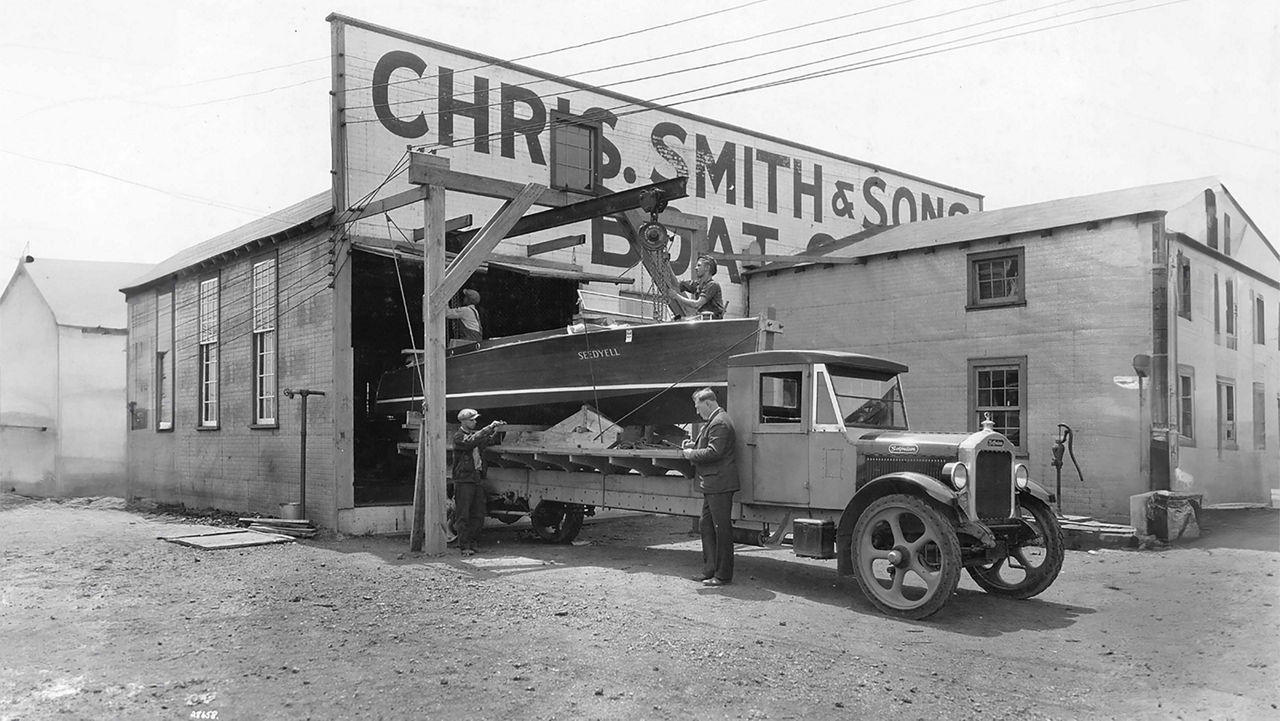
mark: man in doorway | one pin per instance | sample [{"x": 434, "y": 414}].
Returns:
[
  {"x": 468, "y": 316},
  {"x": 468, "y": 470},
  {"x": 702, "y": 294},
  {"x": 712, "y": 455}
]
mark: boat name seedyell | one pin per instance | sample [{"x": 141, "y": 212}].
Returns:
[{"x": 600, "y": 353}]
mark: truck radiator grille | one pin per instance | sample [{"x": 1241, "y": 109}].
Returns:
[
  {"x": 876, "y": 466},
  {"x": 991, "y": 486}
]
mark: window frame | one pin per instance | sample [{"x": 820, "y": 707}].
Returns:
[
  {"x": 1184, "y": 285},
  {"x": 1019, "y": 295},
  {"x": 262, "y": 334},
  {"x": 1259, "y": 416},
  {"x": 1232, "y": 326},
  {"x": 208, "y": 389},
  {"x": 164, "y": 364},
  {"x": 560, "y": 122},
  {"x": 974, "y": 412},
  {"x": 1259, "y": 320},
  {"x": 1186, "y": 405},
  {"x": 1228, "y": 414}
]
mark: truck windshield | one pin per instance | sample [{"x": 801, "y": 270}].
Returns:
[{"x": 868, "y": 403}]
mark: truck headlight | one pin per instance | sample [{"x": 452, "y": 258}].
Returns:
[
  {"x": 1021, "y": 476},
  {"x": 957, "y": 474}
]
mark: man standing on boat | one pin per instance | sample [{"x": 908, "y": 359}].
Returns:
[
  {"x": 702, "y": 294},
  {"x": 469, "y": 316},
  {"x": 712, "y": 455},
  {"x": 468, "y": 469}
]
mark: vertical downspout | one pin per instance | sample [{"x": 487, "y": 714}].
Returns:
[
  {"x": 342, "y": 491},
  {"x": 1162, "y": 330}
]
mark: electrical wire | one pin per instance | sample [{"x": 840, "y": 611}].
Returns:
[
  {"x": 649, "y": 59},
  {"x": 621, "y": 111},
  {"x": 623, "y": 106},
  {"x": 758, "y": 55},
  {"x": 589, "y": 43}
]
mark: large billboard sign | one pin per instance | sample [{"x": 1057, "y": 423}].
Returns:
[{"x": 497, "y": 119}]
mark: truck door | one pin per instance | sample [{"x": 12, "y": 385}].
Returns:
[{"x": 779, "y": 443}]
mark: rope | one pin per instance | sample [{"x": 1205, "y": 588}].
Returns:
[{"x": 708, "y": 362}]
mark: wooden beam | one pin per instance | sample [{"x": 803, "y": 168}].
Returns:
[
  {"x": 483, "y": 243},
  {"x": 391, "y": 202},
  {"x": 422, "y": 172},
  {"x": 610, "y": 204},
  {"x": 427, "y": 525},
  {"x": 549, "y": 245},
  {"x": 765, "y": 258}
]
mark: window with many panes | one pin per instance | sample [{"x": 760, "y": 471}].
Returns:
[
  {"x": 998, "y": 389},
  {"x": 1259, "y": 416},
  {"x": 208, "y": 354},
  {"x": 264, "y": 343},
  {"x": 996, "y": 279},
  {"x": 164, "y": 361},
  {"x": 1186, "y": 404},
  {"x": 1227, "y": 413},
  {"x": 575, "y": 154},
  {"x": 1184, "y": 286}
]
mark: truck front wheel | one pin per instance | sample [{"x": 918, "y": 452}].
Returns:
[
  {"x": 1033, "y": 565},
  {"x": 906, "y": 556},
  {"x": 556, "y": 522}
]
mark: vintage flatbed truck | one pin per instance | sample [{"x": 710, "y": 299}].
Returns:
[{"x": 825, "y": 452}]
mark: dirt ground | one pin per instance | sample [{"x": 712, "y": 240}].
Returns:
[{"x": 100, "y": 620}]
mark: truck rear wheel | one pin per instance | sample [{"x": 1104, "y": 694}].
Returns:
[
  {"x": 906, "y": 556},
  {"x": 1032, "y": 566},
  {"x": 556, "y": 522}
]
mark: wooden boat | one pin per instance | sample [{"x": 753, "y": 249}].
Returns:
[{"x": 633, "y": 374}]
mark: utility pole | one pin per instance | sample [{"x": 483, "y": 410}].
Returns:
[{"x": 427, "y": 531}]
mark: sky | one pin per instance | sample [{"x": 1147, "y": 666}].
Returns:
[{"x": 135, "y": 129}]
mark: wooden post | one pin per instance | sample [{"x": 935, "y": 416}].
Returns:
[{"x": 427, "y": 532}]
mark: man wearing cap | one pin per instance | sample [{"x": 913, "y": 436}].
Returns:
[
  {"x": 468, "y": 469},
  {"x": 703, "y": 293},
  {"x": 469, "y": 316}
]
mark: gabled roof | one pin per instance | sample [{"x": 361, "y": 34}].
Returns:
[
  {"x": 1030, "y": 218},
  {"x": 298, "y": 214},
  {"x": 81, "y": 292}
]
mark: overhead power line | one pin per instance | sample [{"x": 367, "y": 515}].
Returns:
[
  {"x": 719, "y": 63},
  {"x": 630, "y": 33}
]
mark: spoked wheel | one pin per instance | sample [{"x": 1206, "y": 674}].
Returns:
[
  {"x": 556, "y": 522},
  {"x": 1033, "y": 565},
  {"x": 906, "y": 556}
]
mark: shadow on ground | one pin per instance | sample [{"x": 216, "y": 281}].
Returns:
[
  {"x": 1255, "y": 529},
  {"x": 646, "y": 547}
]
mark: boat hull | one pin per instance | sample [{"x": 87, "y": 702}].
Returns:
[{"x": 638, "y": 375}]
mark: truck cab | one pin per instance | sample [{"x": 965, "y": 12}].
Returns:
[{"x": 825, "y": 433}]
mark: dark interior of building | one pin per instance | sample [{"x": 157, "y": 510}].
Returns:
[{"x": 386, "y": 318}]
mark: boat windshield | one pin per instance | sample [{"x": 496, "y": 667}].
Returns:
[{"x": 868, "y": 403}]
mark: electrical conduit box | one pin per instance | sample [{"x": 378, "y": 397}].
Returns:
[{"x": 813, "y": 538}]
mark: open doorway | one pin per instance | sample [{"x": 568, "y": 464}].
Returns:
[{"x": 386, "y": 320}]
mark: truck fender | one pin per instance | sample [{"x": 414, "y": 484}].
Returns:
[
  {"x": 903, "y": 482},
  {"x": 1035, "y": 489}
]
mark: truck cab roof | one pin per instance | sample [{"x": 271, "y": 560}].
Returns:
[{"x": 872, "y": 365}]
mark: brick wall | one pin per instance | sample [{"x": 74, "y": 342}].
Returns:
[{"x": 236, "y": 467}]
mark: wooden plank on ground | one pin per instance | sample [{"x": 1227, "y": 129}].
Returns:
[{"x": 234, "y": 539}]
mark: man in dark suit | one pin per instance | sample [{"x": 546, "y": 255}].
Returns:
[{"x": 712, "y": 454}]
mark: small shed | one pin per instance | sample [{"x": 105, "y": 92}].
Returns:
[{"x": 63, "y": 332}]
